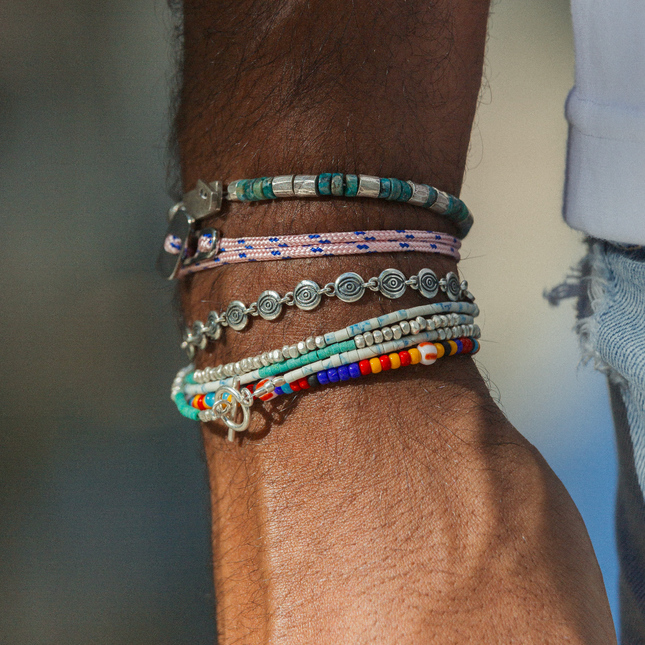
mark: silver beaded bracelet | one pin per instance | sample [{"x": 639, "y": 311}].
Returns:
[{"x": 307, "y": 295}]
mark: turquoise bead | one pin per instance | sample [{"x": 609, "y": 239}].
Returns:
[
  {"x": 323, "y": 183},
  {"x": 395, "y": 192},
  {"x": 240, "y": 189},
  {"x": 337, "y": 184},
  {"x": 267, "y": 188},
  {"x": 286, "y": 388},
  {"x": 248, "y": 190},
  {"x": 386, "y": 189},
  {"x": 257, "y": 189},
  {"x": 406, "y": 191},
  {"x": 432, "y": 197},
  {"x": 351, "y": 185}
]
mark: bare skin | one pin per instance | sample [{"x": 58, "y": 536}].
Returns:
[{"x": 402, "y": 508}]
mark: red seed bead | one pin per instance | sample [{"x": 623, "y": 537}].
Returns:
[
  {"x": 303, "y": 383},
  {"x": 295, "y": 386},
  {"x": 385, "y": 362},
  {"x": 365, "y": 367},
  {"x": 468, "y": 345},
  {"x": 405, "y": 358}
]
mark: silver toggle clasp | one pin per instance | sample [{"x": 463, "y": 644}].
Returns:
[{"x": 229, "y": 400}]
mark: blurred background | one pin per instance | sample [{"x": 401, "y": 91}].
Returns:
[{"x": 104, "y": 536}]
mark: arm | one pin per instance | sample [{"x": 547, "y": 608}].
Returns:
[{"x": 402, "y": 510}]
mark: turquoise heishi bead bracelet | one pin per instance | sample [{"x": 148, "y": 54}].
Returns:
[
  {"x": 386, "y": 189},
  {"x": 257, "y": 191},
  {"x": 395, "y": 190},
  {"x": 267, "y": 188}
]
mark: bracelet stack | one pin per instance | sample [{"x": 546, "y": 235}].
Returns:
[{"x": 418, "y": 335}]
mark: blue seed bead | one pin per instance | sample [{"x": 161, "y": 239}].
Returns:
[
  {"x": 351, "y": 185},
  {"x": 240, "y": 189},
  {"x": 395, "y": 192},
  {"x": 475, "y": 346},
  {"x": 286, "y": 388},
  {"x": 432, "y": 197},
  {"x": 209, "y": 399},
  {"x": 354, "y": 370},
  {"x": 460, "y": 346},
  {"x": 267, "y": 188},
  {"x": 343, "y": 373},
  {"x": 323, "y": 183},
  {"x": 337, "y": 184},
  {"x": 256, "y": 189},
  {"x": 313, "y": 381},
  {"x": 386, "y": 189},
  {"x": 322, "y": 377},
  {"x": 406, "y": 192},
  {"x": 332, "y": 375},
  {"x": 278, "y": 391}
]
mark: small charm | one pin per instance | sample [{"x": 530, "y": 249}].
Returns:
[
  {"x": 306, "y": 295},
  {"x": 391, "y": 283},
  {"x": 349, "y": 287},
  {"x": 236, "y": 317}
]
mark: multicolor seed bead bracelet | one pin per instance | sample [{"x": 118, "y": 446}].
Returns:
[
  {"x": 375, "y": 332},
  {"x": 206, "y": 199},
  {"x": 307, "y": 295},
  {"x": 212, "y": 252},
  {"x": 227, "y": 400}
]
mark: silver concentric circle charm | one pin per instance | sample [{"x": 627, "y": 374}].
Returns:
[
  {"x": 269, "y": 305},
  {"x": 213, "y": 328},
  {"x": 349, "y": 287},
  {"x": 306, "y": 295},
  {"x": 428, "y": 283},
  {"x": 235, "y": 316},
  {"x": 391, "y": 283},
  {"x": 452, "y": 289}
]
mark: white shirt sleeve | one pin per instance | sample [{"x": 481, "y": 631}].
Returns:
[{"x": 605, "y": 183}]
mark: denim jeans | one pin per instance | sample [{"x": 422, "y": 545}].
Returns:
[{"x": 612, "y": 332}]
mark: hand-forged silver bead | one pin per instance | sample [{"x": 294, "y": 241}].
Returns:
[
  {"x": 293, "y": 351},
  {"x": 369, "y": 338},
  {"x": 320, "y": 342},
  {"x": 310, "y": 343},
  {"x": 302, "y": 347},
  {"x": 405, "y": 327},
  {"x": 387, "y": 333},
  {"x": 396, "y": 331},
  {"x": 378, "y": 336},
  {"x": 359, "y": 341}
]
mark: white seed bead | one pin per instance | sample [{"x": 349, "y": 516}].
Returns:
[
  {"x": 359, "y": 341},
  {"x": 310, "y": 343},
  {"x": 293, "y": 351},
  {"x": 302, "y": 347},
  {"x": 396, "y": 331},
  {"x": 320, "y": 342},
  {"x": 378, "y": 336},
  {"x": 428, "y": 353},
  {"x": 369, "y": 338},
  {"x": 405, "y": 327},
  {"x": 387, "y": 333}
]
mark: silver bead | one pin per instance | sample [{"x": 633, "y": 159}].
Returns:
[
  {"x": 197, "y": 376},
  {"x": 360, "y": 341},
  {"x": 293, "y": 351},
  {"x": 477, "y": 332},
  {"x": 387, "y": 333},
  {"x": 304, "y": 186},
  {"x": 265, "y": 360},
  {"x": 368, "y": 186},
  {"x": 430, "y": 326},
  {"x": 405, "y": 327},
  {"x": 237, "y": 368},
  {"x": 421, "y": 321},
  {"x": 302, "y": 347},
  {"x": 285, "y": 352},
  {"x": 282, "y": 186},
  {"x": 444, "y": 320},
  {"x": 369, "y": 338},
  {"x": 244, "y": 364},
  {"x": 320, "y": 342},
  {"x": 420, "y": 194},
  {"x": 277, "y": 356},
  {"x": 414, "y": 327},
  {"x": 442, "y": 334},
  {"x": 310, "y": 343},
  {"x": 396, "y": 331},
  {"x": 378, "y": 336},
  {"x": 228, "y": 369},
  {"x": 441, "y": 203}
]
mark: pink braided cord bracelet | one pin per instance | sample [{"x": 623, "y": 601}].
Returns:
[{"x": 285, "y": 247}]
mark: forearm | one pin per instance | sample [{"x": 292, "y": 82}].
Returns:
[{"x": 401, "y": 509}]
